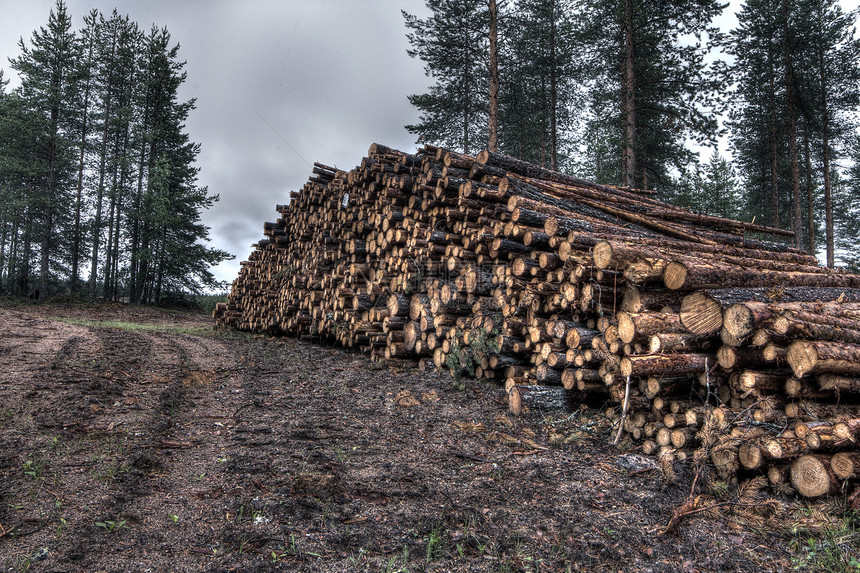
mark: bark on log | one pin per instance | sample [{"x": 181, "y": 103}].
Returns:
[
  {"x": 640, "y": 327},
  {"x": 814, "y": 357},
  {"x": 713, "y": 274},
  {"x": 665, "y": 364},
  {"x": 524, "y": 398},
  {"x": 835, "y": 382}
]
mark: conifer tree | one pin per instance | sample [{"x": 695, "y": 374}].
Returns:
[
  {"x": 453, "y": 43},
  {"x": 797, "y": 73},
  {"x": 45, "y": 68},
  {"x": 82, "y": 94},
  {"x": 757, "y": 116},
  {"x": 834, "y": 93},
  {"x": 541, "y": 82},
  {"x": 94, "y": 139},
  {"x": 650, "y": 81}
]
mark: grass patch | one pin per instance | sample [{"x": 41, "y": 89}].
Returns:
[
  {"x": 136, "y": 326},
  {"x": 835, "y": 548}
]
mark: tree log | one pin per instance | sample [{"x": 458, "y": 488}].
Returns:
[
  {"x": 525, "y": 398},
  {"x": 812, "y": 476},
  {"x": 680, "y": 274},
  {"x": 846, "y": 465},
  {"x": 814, "y": 357},
  {"x": 665, "y": 364},
  {"x": 640, "y": 327}
]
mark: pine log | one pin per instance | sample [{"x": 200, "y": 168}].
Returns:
[
  {"x": 665, "y": 364},
  {"x": 846, "y": 465},
  {"x": 784, "y": 447},
  {"x": 701, "y": 314},
  {"x": 663, "y": 343},
  {"x": 814, "y": 357},
  {"x": 844, "y": 330},
  {"x": 747, "y": 357},
  {"x": 525, "y": 398},
  {"x": 804, "y": 390},
  {"x": 640, "y": 300},
  {"x": 741, "y": 319},
  {"x": 710, "y": 274},
  {"x": 750, "y": 456},
  {"x": 641, "y": 326},
  {"x": 812, "y": 476},
  {"x": 782, "y": 294},
  {"x": 838, "y": 383},
  {"x": 777, "y": 474}
]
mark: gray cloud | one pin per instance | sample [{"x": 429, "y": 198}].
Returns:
[{"x": 329, "y": 77}]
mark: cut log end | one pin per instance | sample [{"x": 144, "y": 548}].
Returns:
[
  {"x": 701, "y": 314},
  {"x": 845, "y": 465},
  {"x": 750, "y": 456},
  {"x": 738, "y": 321},
  {"x": 602, "y": 254},
  {"x": 675, "y": 275},
  {"x": 811, "y": 477}
]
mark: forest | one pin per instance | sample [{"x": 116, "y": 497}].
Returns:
[
  {"x": 635, "y": 93},
  {"x": 98, "y": 183}
]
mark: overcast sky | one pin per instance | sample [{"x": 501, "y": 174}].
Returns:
[{"x": 279, "y": 84}]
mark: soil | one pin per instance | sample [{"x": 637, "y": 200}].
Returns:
[{"x": 135, "y": 439}]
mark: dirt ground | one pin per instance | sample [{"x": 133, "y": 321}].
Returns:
[{"x": 135, "y": 439}]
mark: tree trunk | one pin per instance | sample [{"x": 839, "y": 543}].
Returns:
[
  {"x": 628, "y": 91},
  {"x": 44, "y": 267},
  {"x": 825, "y": 158},
  {"x": 810, "y": 198},
  {"x": 134, "y": 283},
  {"x": 76, "y": 237},
  {"x": 493, "y": 141},
  {"x": 797, "y": 222},
  {"x": 553, "y": 91},
  {"x": 774, "y": 154},
  {"x": 97, "y": 221}
]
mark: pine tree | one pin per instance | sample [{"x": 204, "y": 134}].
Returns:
[
  {"x": 453, "y": 43},
  {"x": 846, "y": 210},
  {"x": 94, "y": 140},
  {"x": 798, "y": 89},
  {"x": 114, "y": 80},
  {"x": 757, "y": 126},
  {"x": 45, "y": 68},
  {"x": 540, "y": 83},
  {"x": 83, "y": 102},
  {"x": 165, "y": 223},
  {"x": 650, "y": 81},
  {"x": 835, "y": 92},
  {"x": 719, "y": 188}
]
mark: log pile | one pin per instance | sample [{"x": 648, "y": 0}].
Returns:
[{"x": 709, "y": 344}]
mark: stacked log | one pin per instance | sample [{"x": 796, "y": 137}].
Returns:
[{"x": 707, "y": 343}]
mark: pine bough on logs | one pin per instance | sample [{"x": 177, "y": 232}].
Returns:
[{"x": 706, "y": 341}]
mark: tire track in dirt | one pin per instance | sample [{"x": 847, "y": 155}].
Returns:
[
  {"x": 229, "y": 452},
  {"x": 44, "y": 363}
]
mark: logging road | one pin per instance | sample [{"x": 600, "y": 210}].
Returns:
[{"x": 135, "y": 439}]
